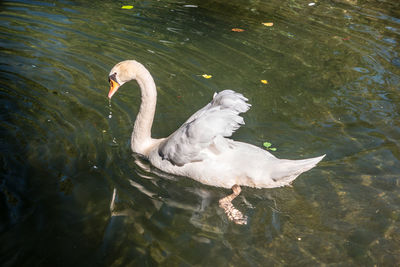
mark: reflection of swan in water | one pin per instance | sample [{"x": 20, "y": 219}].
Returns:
[{"x": 199, "y": 149}]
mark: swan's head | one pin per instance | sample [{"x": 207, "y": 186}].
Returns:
[{"x": 121, "y": 73}]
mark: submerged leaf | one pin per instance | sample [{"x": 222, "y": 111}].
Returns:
[{"x": 237, "y": 30}]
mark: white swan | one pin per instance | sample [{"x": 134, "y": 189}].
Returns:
[{"x": 200, "y": 149}]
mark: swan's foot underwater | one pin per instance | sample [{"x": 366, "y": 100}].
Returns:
[{"x": 233, "y": 214}]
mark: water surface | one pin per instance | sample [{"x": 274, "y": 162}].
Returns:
[{"x": 71, "y": 192}]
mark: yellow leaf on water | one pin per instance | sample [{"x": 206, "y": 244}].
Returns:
[
  {"x": 268, "y": 24},
  {"x": 127, "y": 7},
  {"x": 264, "y": 81},
  {"x": 207, "y": 76}
]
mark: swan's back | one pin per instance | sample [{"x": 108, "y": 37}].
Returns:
[{"x": 226, "y": 163}]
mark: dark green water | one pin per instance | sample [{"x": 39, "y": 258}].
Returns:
[{"x": 333, "y": 72}]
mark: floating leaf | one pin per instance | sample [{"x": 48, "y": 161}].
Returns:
[
  {"x": 127, "y": 7},
  {"x": 237, "y": 30},
  {"x": 207, "y": 76},
  {"x": 264, "y": 81},
  {"x": 267, "y": 144},
  {"x": 268, "y": 24}
]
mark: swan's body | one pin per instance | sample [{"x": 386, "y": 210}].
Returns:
[{"x": 199, "y": 149}]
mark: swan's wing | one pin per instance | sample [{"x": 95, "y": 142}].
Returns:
[{"x": 219, "y": 118}]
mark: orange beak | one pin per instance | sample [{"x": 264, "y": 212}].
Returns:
[{"x": 113, "y": 88}]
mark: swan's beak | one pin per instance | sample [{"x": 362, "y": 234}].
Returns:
[{"x": 113, "y": 88}]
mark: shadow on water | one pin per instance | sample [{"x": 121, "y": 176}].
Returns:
[{"x": 71, "y": 192}]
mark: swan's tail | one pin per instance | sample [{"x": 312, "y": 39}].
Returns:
[{"x": 288, "y": 170}]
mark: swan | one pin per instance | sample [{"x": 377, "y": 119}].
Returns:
[{"x": 200, "y": 149}]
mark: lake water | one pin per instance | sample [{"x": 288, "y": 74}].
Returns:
[{"x": 72, "y": 193}]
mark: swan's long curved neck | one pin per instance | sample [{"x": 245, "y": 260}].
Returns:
[{"x": 141, "y": 139}]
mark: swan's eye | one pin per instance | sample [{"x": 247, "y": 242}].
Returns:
[{"x": 112, "y": 77}]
